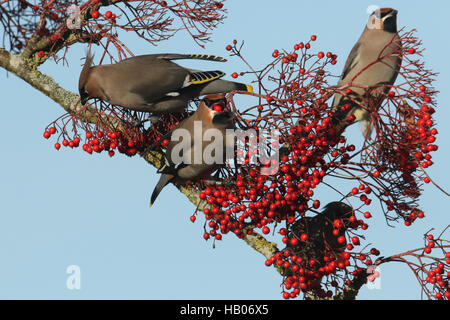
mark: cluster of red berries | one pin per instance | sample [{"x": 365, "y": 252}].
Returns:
[
  {"x": 315, "y": 275},
  {"x": 293, "y": 56},
  {"x": 257, "y": 201},
  {"x": 128, "y": 140},
  {"x": 99, "y": 141},
  {"x": 108, "y": 15},
  {"x": 438, "y": 273},
  {"x": 315, "y": 250}
]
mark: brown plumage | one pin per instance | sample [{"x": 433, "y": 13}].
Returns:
[
  {"x": 187, "y": 168},
  {"x": 375, "y": 60},
  {"x": 152, "y": 83}
]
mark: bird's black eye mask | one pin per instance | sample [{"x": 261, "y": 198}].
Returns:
[
  {"x": 380, "y": 14},
  {"x": 210, "y": 103},
  {"x": 84, "y": 96}
]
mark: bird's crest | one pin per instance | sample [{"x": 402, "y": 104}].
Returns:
[{"x": 86, "y": 70}]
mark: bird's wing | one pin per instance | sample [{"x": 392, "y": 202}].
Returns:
[
  {"x": 351, "y": 60},
  {"x": 349, "y": 65},
  {"x": 177, "y": 56},
  {"x": 199, "y": 77},
  {"x": 154, "y": 88},
  {"x": 162, "y": 79}
]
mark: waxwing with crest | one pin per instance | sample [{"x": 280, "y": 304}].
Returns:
[
  {"x": 152, "y": 83},
  {"x": 374, "y": 64},
  {"x": 202, "y": 134}
]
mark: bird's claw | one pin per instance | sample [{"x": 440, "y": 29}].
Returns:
[{"x": 134, "y": 123}]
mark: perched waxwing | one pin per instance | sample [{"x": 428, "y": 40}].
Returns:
[
  {"x": 205, "y": 143},
  {"x": 319, "y": 230},
  {"x": 375, "y": 60},
  {"x": 152, "y": 83}
]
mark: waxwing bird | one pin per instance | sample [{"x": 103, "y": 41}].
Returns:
[
  {"x": 152, "y": 83},
  {"x": 182, "y": 164},
  {"x": 319, "y": 229},
  {"x": 375, "y": 60}
]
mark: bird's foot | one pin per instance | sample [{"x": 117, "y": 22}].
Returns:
[
  {"x": 134, "y": 123},
  {"x": 217, "y": 181},
  {"x": 153, "y": 119}
]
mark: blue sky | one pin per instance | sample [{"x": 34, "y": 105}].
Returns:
[{"x": 62, "y": 208}]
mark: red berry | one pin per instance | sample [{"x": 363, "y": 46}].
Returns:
[
  {"x": 46, "y": 134},
  {"x": 313, "y": 38},
  {"x": 316, "y": 204},
  {"x": 165, "y": 143},
  {"x": 108, "y": 14},
  {"x": 95, "y": 14},
  {"x": 234, "y": 75},
  {"x": 41, "y": 54},
  {"x": 57, "y": 146},
  {"x": 218, "y": 108}
]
